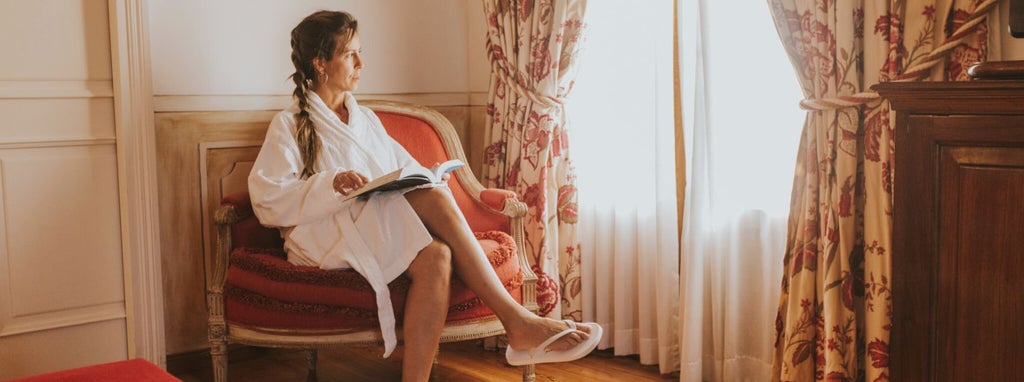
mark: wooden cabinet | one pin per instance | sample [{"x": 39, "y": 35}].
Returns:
[{"x": 958, "y": 234}]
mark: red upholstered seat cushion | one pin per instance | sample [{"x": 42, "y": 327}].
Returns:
[{"x": 263, "y": 290}]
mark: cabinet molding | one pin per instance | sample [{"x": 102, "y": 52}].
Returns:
[{"x": 958, "y": 231}]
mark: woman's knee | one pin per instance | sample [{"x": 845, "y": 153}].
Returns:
[
  {"x": 433, "y": 260},
  {"x": 435, "y": 196}
]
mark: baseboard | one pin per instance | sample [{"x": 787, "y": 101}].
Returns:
[{"x": 187, "y": 362}]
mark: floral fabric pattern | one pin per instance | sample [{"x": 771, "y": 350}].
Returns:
[
  {"x": 835, "y": 309},
  {"x": 532, "y": 46}
]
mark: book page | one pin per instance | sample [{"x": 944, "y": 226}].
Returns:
[
  {"x": 405, "y": 177},
  {"x": 446, "y": 167}
]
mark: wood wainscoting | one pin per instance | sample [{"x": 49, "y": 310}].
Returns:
[{"x": 195, "y": 150}]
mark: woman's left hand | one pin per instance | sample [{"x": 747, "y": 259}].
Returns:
[
  {"x": 346, "y": 181},
  {"x": 445, "y": 176}
]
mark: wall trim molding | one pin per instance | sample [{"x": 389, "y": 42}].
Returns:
[
  {"x": 185, "y": 103},
  {"x": 136, "y": 162},
  {"x": 478, "y": 99},
  {"x": 11, "y": 89},
  {"x": 57, "y": 142},
  {"x": 64, "y": 318}
]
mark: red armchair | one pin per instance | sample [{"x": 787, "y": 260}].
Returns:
[{"x": 258, "y": 298}]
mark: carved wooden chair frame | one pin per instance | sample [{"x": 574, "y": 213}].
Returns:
[{"x": 221, "y": 332}]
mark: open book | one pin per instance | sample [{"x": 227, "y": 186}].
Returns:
[{"x": 406, "y": 177}]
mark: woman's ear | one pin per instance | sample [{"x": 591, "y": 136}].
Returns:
[{"x": 319, "y": 65}]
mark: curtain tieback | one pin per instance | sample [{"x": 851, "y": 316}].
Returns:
[
  {"x": 501, "y": 71},
  {"x": 840, "y": 102},
  {"x": 914, "y": 72}
]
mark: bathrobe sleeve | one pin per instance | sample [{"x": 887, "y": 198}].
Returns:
[{"x": 279, "y": 196}]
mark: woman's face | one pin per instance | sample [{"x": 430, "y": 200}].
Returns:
[{"x": 343, "y": 69}]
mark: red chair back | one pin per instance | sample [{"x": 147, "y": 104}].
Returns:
[{"x": 423, "y": 142}]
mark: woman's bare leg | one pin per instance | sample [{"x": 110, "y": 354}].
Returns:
[
  {"x": 426, "y": 307},
  {"x": 439, "y": 213}
]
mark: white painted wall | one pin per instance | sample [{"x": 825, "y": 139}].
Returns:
[
  {"x": 1012, "y": 48},
  {"x": 241, "y": 47},
  {"x": 62, "y": 293}
]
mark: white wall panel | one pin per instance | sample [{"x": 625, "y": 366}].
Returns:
[
  {"x": 239, "y": 47},
  {"x": 1012, "y": 48},
  {"x": 63, "y": 246},
  {"x": 54, "y": 40},
  {"x": 48, "y": 119},
  {"x": 62, "y": 293},
  {"x": 476, "y": 49},
  {"x": 75, "y": 346}
]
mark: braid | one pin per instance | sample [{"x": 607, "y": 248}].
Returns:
[
  {"x": 316, "y": 37},
  {"x": 305, "y": 133}
]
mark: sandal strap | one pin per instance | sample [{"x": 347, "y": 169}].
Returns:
[
  {"x": 544, "y": 345},
  {"x": 571, "y": 323}
]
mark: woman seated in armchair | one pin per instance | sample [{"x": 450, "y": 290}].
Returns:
[{"x": 325, "y": 146}]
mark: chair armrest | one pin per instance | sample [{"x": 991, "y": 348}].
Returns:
[
  {"x": 516, "y": 211},
  {"x": 225, "y": 216},
  {"x": 496, "y": 197}
]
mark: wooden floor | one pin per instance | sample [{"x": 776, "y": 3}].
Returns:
[{"x": 459, "y": 361}]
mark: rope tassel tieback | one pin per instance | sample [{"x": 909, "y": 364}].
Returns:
[{"x": 913, "y": 73}]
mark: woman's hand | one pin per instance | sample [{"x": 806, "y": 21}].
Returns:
[
  {"x": 445, "y": 176},
  {"x": 346, "y": 181}
]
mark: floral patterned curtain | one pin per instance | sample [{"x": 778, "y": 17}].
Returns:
[
  {"x": 835, "y": 309},
  {"x": 532, "y": 46}
]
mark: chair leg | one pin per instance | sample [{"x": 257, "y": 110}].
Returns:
[
  {"x": 311, "y": 356},
  {"x": 219, "y": 355},
  {"x": 528, "y": 373},
  {"x": 311, "y": 363}
]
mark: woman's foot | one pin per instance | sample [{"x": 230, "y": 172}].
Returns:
[
  {"x": 534, "y": 331},
  {"x": 560, "y": 341}
]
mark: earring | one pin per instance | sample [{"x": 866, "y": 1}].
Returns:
[{"x": 323, "y": 77}]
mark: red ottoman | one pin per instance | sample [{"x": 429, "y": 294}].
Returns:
[{"x": 134, "y": 370}]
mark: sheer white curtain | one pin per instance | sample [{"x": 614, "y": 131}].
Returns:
[
  {"x": 622, "y": 140},
  {"x": 742, "y": 124}
]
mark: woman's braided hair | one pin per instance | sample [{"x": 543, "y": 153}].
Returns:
[{"x": 318, "y": 36}]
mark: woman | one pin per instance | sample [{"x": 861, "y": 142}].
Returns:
[{"x": 324, "y": 146}]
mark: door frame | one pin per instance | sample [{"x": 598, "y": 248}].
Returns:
[{"x": 137, "y": 182}]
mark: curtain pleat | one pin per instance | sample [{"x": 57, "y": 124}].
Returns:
[
  {"x": 835, "y": 309},
  {"x": 624, "y": 143},
  {"x": 740, "y": 135},
  {"x": 532, "y": 47}
]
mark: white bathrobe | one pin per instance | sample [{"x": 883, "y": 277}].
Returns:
[{"x": 378, "y": 237}]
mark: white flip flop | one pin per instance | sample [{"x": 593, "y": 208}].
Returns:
[{"x": 540, "y": 354}]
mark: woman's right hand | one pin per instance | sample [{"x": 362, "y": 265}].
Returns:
[{"x": 346, "y": 181}]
